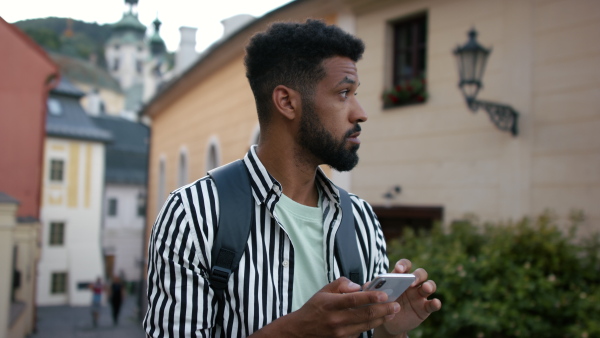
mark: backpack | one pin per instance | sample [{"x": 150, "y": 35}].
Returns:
[{"x": 233, "y": 185}]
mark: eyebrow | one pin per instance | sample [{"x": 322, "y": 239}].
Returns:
[{"x": 347, "y": 80}]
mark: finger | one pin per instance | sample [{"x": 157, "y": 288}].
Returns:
[
  {"x": 421, "y": 275},
  {"x": 427, "y": 288},
  {"x": 369, "y": 317},
  {"x": 403, "y": 266},
  {"x": 433, "y": 305},
  {"x": 358, "y": 299},
  {"x": 341, "y": 285}
]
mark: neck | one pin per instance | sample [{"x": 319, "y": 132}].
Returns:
[{"x": 296, "y": 174}]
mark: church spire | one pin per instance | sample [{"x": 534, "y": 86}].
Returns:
[{"x": 131, "y": 3}]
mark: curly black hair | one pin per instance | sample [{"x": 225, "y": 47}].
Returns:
[{"x": 291, "y": 54}]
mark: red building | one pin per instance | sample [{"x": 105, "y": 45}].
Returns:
[{"x": 27, "y": 75}]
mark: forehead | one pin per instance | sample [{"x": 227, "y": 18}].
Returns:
[{"x": 339, "y": 70}]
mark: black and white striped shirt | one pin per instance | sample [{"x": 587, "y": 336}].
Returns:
[{"x": 181, "y": 303}]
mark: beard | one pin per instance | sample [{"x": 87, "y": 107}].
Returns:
[{"x": 322, "y": 144}]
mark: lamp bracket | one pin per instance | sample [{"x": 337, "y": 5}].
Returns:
[{"x": 503, "y": 116}]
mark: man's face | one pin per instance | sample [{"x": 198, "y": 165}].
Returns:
[{"x": 329, "y": 127}]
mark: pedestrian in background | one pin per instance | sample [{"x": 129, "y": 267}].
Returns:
[
  {"x": 97, "y": 289},
  {"x": 116, "y": 294}
]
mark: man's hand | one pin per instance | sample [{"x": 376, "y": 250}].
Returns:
[
  {"x": 337, "y": 310},
  {"x": 415, "y": 307}
]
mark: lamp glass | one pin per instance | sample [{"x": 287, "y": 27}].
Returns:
[{"x": 471, "y": 58}]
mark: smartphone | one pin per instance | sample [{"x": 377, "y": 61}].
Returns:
[{"x": 394, "y": 284}]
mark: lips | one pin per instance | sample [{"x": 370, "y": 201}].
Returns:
[{"x": 354, "y": 137}]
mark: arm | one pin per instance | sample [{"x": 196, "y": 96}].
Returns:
[
  {"x": 415, "y": 307},
  {"x": 175, "y": 284},
  {"x": 337, "y": 310}
]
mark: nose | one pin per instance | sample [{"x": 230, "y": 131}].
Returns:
[{"x": 358, "y": 113}]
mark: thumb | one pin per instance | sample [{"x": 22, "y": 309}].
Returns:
[{"x": 341, "y": 285}]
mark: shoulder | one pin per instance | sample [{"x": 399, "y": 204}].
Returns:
[{"x": 362, "y": 206}]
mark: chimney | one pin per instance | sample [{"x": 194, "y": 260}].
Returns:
[
  {"x": 234, "y": 23},
  {"x": 186, "y": 54}
]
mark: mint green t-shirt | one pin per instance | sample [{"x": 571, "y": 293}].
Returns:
[{"x": 304, "y": 226}]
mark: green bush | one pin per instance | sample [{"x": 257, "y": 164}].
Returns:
[{"x": 525, "y": 279}]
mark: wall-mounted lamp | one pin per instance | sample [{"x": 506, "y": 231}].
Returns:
[{"x": 471, "y": 58}]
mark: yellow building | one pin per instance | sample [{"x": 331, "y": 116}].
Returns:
[{"x": 431, "y": 158}]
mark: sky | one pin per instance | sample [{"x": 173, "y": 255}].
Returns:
[{"x": 206, "y": 15}]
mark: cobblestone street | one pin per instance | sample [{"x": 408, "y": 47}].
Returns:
[{"x": 76, "y": 322}]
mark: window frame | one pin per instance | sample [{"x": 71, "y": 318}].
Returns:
[
  {"x": 59, "y": 282},
  {"x": 56, "y": 237},
  {"x": 417, "y": 27},
  {"x": 112, "y": 207},
  {"x": 57, "y": 175}
]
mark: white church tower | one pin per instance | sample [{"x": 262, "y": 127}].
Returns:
[{"x": 126, "y": 53}]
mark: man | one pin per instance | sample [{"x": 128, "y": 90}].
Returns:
[{"x": 288, "y": 284}]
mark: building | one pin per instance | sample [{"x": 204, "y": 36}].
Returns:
[
  {"x": 429, "y": 158},
  {"x": 103, "y": 92},
  {"x": 73, "y": 184},
  {"x": 27, "y": 77},
  {"x": 124, "y": 205},
  {"x": 137, "y": 63}
]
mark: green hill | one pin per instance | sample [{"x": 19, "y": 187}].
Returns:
[{"x": 68, "y": 36}]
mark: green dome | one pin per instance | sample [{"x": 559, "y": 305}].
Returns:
[{"x": 129, "y": 21}]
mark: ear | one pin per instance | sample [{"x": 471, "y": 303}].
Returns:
[{"x": 286, "y": 102}]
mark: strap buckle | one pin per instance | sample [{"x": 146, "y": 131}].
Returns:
[{"x": 219, "y": 277}]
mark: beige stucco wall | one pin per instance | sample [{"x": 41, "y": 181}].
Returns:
[
  {"x": 8, "y": 212},
  {"x": 544, "y": 63},
  {"x": 220, "y": 108},
  {"x": 26, "y": 239}
]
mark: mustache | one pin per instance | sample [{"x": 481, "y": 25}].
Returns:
[{"x": 356, "y": 129}]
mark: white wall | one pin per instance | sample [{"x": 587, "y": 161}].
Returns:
[
  {"x": 123, "y": 234},
  {"x": 77, "y": 202}
]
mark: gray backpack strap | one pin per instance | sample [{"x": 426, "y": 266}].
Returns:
[
  {"x": 235, "y": 218},
  {"x": 346, "y": 248}
]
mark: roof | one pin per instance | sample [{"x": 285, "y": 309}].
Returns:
[
  {"x": 127, "y": 154},
  {"x": 85, "y": 71},
  {"x": 6, "y": 199},
  {"x": 214, "y": 50},
  {"x": 129, "y": 21},
  {"x": 65, "y": 87},
  {"x": 71, "y": 121}
]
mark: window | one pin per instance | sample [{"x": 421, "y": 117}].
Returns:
[
  {"x": 141, "y": 204},
  {"x": 57, "y": 170},
  {"x": 54, "y": 107},
  {"x": 59, "y": 283},
  {"x": 57, "y": 233},
  {"x": 212, "y": 160},
  {"x": 410, "y": 47},
  {"x": 112, "y": 207},
  {"x": 161, "y": 183},
  {"x": 183, "y": 169}
]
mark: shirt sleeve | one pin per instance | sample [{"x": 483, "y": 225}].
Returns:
[
  {"x": 371, "y": 239},
  {"x": 180, "y": 301}
]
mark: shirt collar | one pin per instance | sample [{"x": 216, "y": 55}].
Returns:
[{"x": 264, "y": 185}]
